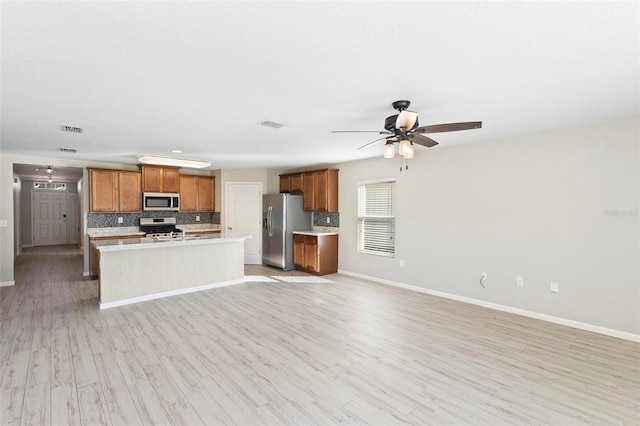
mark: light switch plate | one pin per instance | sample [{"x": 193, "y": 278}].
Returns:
[
  {"x": 554, "y": 287},
  {"x": 3, "y": 223}
]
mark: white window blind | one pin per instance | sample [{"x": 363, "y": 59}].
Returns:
[{"x": 376, "y": 217}]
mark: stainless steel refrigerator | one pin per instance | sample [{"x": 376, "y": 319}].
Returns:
[{"x": 281, "y": 215}]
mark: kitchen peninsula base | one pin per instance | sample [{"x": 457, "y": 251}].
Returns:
[{"x": 138, "y": 270}]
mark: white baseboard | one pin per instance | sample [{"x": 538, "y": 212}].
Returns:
[
  {"x": 531, "y": 314},
  {"x": 7, "y": 283},
  {"x": 108, "y": 305}
]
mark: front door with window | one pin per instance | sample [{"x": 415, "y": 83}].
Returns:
[{"x": 49, "y": 218}]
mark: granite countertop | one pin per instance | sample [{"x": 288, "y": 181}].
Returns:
[
  {"x": 202, "y": 227},
  {"x": 120, "y": 231},
  {"x": 148, "y": 242},
  {"x": 316, "y": 232}
]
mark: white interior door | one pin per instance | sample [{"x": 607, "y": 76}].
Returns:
[
  {"x": 49, "y": 218},
  {"x": 244, "y": 216}
]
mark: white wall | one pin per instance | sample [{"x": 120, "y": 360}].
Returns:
[{"x": 542, "y": 206}]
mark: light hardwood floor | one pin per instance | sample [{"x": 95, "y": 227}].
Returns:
[{"x": 285, "y": 353}]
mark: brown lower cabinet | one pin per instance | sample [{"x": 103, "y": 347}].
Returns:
[
  {"x": 317, "y": 254},
  {"x": 94, "y": 258}
]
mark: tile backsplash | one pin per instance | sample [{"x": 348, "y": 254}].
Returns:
[
  {"x": 320, "y": 219},
  {"x": 109, "y": 220}
]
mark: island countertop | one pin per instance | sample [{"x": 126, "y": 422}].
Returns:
[{"x": 161, "y": 242}]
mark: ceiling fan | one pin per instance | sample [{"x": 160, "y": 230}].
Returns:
[{"x": 403, "y": 128}]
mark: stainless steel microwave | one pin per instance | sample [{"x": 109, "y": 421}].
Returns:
[{"x": 160, "y": 201}]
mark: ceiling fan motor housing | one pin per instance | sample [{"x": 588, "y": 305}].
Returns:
[{"x": 401, "y": 105}]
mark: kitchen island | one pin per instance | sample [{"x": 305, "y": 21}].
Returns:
[{"x": 134, "y": 270}]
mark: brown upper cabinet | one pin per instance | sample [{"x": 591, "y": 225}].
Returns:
[
  {"x": 160, "y": 179},
  {"x": 325, "y": 190},
  {"x": 292, "y": 183},
  {"x": 297, "y": 183},
  {"x": 285, "y": 183},
  {"x": 129, "y": 191},
  {"x": 197, "y": 193},
  {"x": 113, "y": 191},
  {"x": 308, "y": 190},
  {"x": 319, "y": 187}
]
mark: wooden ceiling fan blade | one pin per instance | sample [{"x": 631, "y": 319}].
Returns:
[
  {"x": 372, "y": 142},
  {"x": 382, "y": 132},
  {"x": 449, "y": 127},
  {"x": 422, "y": 140}
]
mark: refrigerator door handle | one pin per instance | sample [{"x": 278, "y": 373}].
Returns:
[{"x": 270, "y": 221}]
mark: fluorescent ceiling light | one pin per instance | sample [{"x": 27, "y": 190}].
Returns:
[{"x": 175, "y": 162}]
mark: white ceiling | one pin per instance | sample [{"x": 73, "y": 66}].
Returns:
[{"x": 149, "y": 77}]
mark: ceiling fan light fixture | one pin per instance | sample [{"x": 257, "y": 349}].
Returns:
[
  {"x": 409, "y": 152},
  {"x": 406, "y": 120},
  {"x": 49, "y": 170},
  {"x": 405, "y": 148},
  {"x": 389, "y": 150},
  {"x": 174, "y": 162}
]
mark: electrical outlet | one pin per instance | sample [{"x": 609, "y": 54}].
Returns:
[
  {"x": 120, "y": 220},
  {"x": 520, "y": 281},
  {"x": 401, "y": 263},
  {"x": 328, "y": 221},
  {"x": 197, "y": 218},
  {"x": 554, "y": 287}
]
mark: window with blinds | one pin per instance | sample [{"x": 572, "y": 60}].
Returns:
[{"x": 376, "y": 217}]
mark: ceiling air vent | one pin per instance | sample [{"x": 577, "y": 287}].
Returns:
[
  {"x": 71, "y": 150},
  {"x": 271, "y": 124},
  {"x": 71, "y": 129}
]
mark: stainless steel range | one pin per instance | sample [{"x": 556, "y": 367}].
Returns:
[{"x": 160, "y": 227}]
